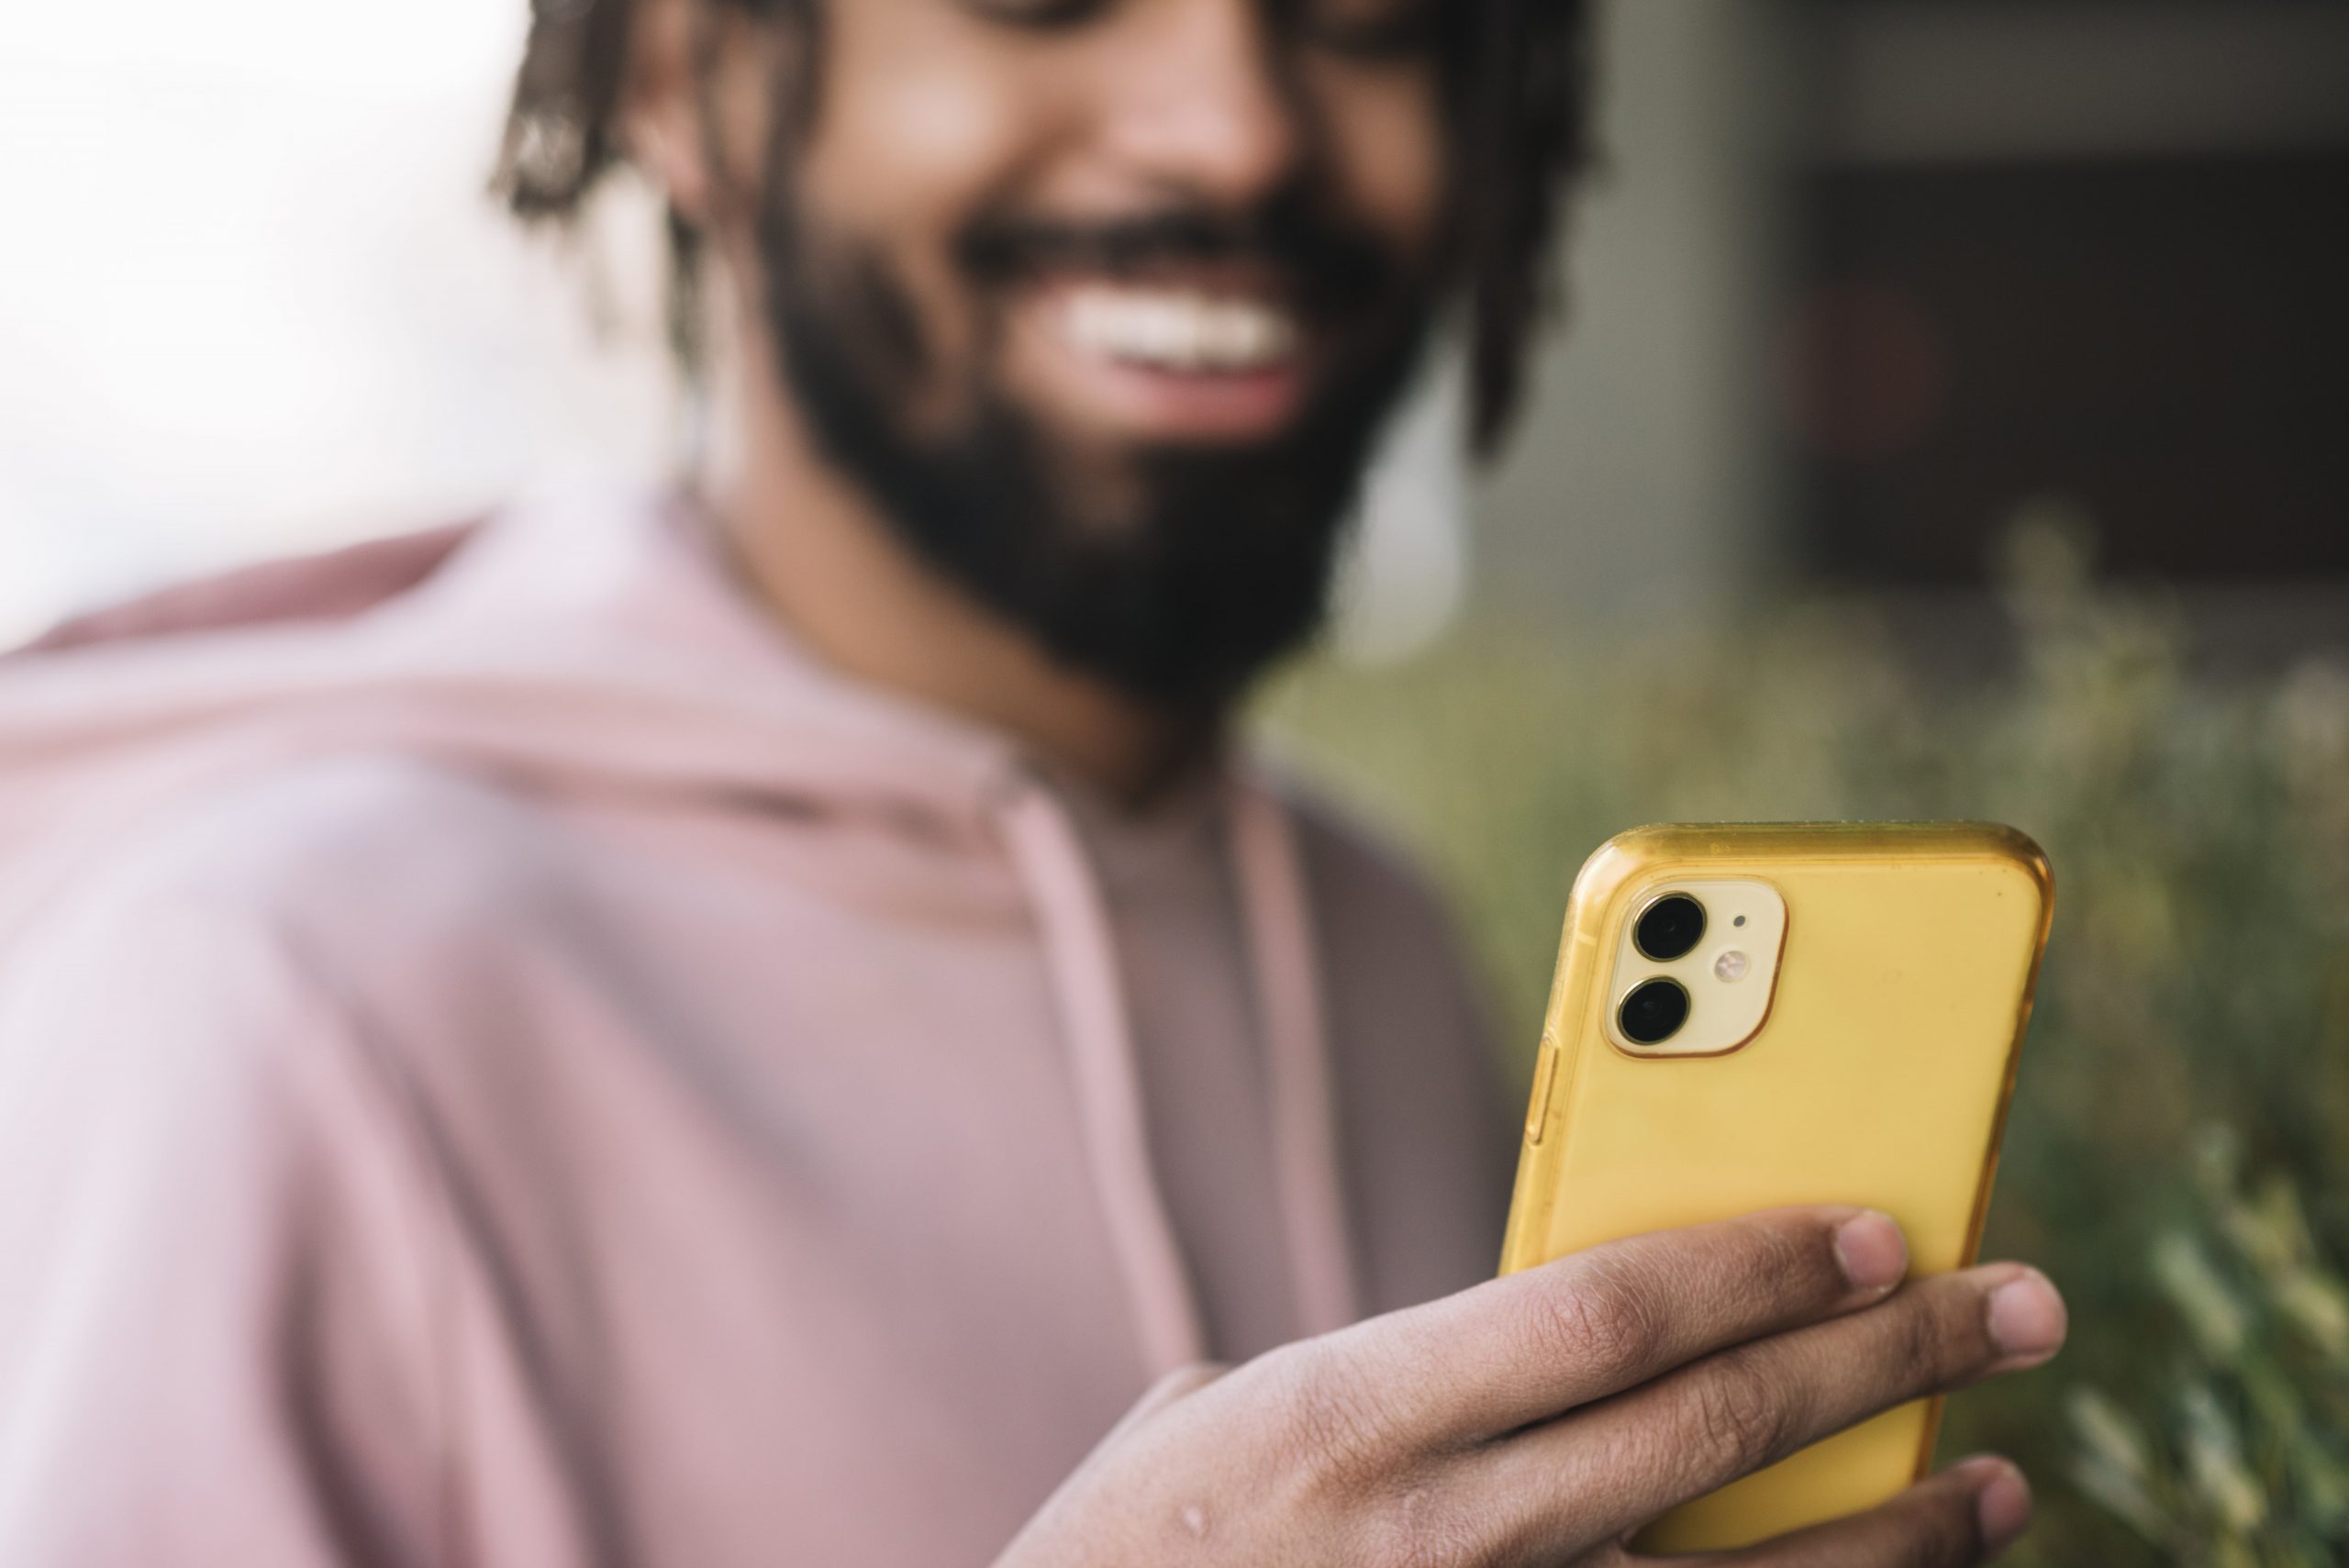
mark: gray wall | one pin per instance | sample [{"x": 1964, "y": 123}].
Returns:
[{"x": 1642, "y": 478}]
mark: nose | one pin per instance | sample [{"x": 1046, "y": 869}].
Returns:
[{"x": 1207, "y": 105}]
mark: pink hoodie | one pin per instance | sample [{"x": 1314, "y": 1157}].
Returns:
[{"x": 538, "y": 1072}]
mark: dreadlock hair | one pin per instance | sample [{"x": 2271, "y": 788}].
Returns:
[{"x": 1517, "y": 86}]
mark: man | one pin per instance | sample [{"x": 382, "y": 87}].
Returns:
[{"x": 750, "y": 1029}]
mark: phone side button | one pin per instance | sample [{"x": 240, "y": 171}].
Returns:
[{"x": 1537, "y": 1112}]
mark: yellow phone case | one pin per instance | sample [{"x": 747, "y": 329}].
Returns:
[{"x": 1880, "y": 1076}]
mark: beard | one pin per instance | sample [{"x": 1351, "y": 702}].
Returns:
[{"x": 1182, "y": 572}]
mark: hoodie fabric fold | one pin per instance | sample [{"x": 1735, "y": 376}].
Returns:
[{"x": 535, "y": 1069}]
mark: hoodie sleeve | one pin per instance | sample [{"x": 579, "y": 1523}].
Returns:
[{"x": 214, "y": 1283}]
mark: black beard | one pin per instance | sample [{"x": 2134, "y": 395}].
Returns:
[{"x": 1220, "y": 562}]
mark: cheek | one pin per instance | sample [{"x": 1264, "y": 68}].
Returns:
[
  {"x": 904, "y": 154},
  {"x": 911, "y": 139},
  {"x": 1387, "y": 146}
]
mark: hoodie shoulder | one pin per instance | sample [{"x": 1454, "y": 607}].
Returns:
[
  {"x": 187, "y": 1115},
  {"x": 361, "y": 861}
]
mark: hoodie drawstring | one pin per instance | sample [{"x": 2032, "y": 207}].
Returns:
[
  {"x": 1276, "y": 901},
  {"x": 1080, "y": 948},
  {"x": 1096, "y": 1020}
]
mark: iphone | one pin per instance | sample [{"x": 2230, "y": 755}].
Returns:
[{"x": 1746, "y": 1017}]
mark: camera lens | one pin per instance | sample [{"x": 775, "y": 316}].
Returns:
[
  {"x": 1653, "y": 1013},
  {"x": 1670, "y": 929}
]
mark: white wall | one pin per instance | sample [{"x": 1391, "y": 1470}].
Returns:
[{"x": 253, "y": 294}]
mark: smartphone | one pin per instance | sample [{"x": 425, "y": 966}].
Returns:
[{"x": 1750, "y": 1015}]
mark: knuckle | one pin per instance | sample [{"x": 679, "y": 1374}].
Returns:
[
  {"x": 1804, "y": 1257},
  {"x": 1944, "y": 1341},
  {"x": 1600, "y": 1318},
  {"x": 1791, "y": 1265},
  {"x": 1914, "y": 1350},
  {"x": 1333, "y": 1429},
  {"x": 1178, "y": 1385},
  {"x": 1417, "y": 1527},
  {"x": 1188, "y": 1379},
  {"x": 1744, "y": 1414}
]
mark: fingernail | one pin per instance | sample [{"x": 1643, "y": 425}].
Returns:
[
  {"x": 1874, "y": 1253},
  {"x": 2003, "y": 1505},
  {"x": 2027, "y": 1318}
]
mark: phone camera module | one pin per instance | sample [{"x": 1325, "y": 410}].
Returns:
[
  {"x": 1654, "y": 1012},
  {"x": 1670, "y": 929}
]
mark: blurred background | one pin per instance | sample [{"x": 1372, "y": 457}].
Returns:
[{"x": 1954, "y": 422}]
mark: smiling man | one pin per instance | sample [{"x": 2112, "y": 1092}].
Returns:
[{"x": 753, "y": 1027}]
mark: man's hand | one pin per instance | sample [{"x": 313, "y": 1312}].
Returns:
[{"x": 1543, "y": 1419}]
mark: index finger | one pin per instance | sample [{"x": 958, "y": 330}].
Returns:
[{"x": 1530, "y": 1347}]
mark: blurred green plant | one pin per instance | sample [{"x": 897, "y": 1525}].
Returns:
[
  {"x": 2243, "y": 1463},
  {"x": 2199, "y": 826}
]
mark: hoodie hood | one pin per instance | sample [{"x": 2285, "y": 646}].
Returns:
[
  {"x": 599, "y": 648},
  {"x": 532, "y": 636}
]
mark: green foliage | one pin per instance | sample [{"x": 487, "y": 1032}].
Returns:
[
  {"x": 2236, "y": 1452},
  {"x": 2199, "y": 830}
]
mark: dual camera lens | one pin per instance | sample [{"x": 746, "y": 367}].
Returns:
[{"x": 1668, "y": 930}]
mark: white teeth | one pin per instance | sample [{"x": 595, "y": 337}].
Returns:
[{"x": 1180, "y": 331}]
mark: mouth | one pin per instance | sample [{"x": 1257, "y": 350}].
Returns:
[
  {"x": 1197, "y": 360},
  {"x": 1180, "y": 331}
]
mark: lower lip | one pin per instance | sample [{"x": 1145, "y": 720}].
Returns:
[
  {"x": 1150, "y": 403},
  {"x": 1197, "y": 406}
]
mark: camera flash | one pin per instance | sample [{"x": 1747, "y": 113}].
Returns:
[{"x": 1731, "y": 966}]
